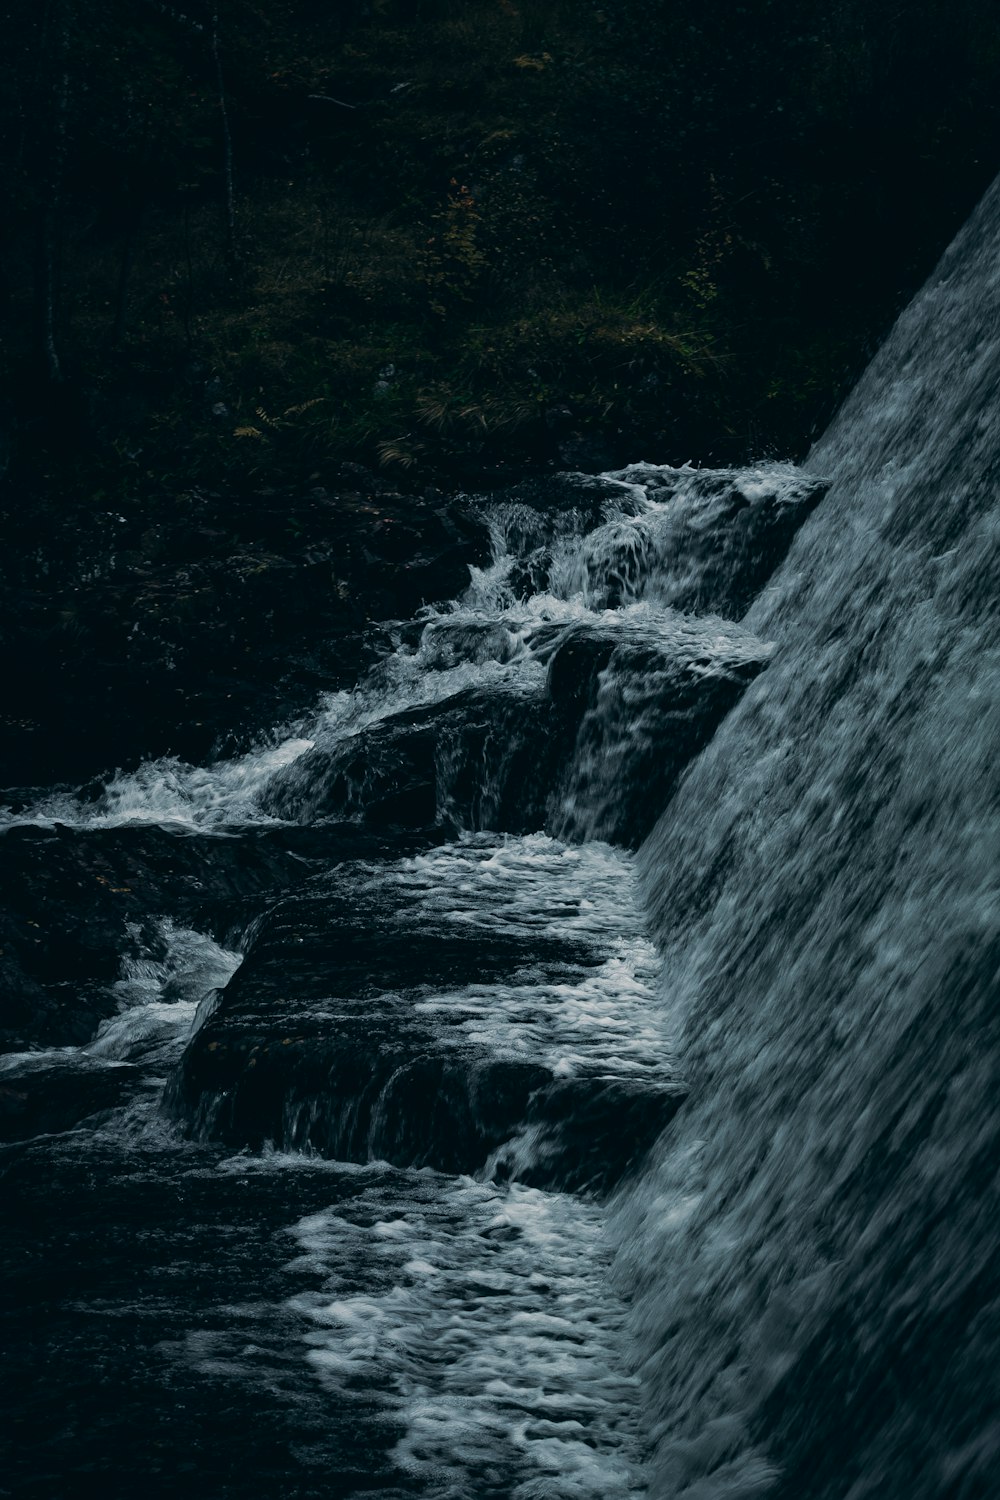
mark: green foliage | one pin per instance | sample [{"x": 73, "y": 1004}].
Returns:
[
  {"x": 454, "y": 262},
  {"x": 467, "y": 228}
]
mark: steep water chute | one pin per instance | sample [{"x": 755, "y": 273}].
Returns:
[{"x": 814, "y": 1254}]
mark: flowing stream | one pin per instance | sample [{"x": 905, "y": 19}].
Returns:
[
  {"x": 424, "y": 1068},
  {"x": 441, "y": 1146}
]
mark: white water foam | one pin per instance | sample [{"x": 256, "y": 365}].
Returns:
[
  {"x": 606, "y": 1021},
  {"x": 532, "y": 885},
  {"x": 483, "y": 1319},
  {"x": 170, "y": 793},
  {"x": 158, "y": 1006},
  {"x": 160, "y": 999},
  {"x": 639, "y": 558}
]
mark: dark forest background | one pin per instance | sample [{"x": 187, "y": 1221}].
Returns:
[
  {"x": 247, "y": 244},
  {"x": 419, "y": 232}
]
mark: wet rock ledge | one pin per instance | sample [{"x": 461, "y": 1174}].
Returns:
[{"x": 186, "y": 625}]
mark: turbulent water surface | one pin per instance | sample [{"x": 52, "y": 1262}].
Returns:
[
  {"x": 403, "y": 1162},
  {"x": 817, "y": 1245},
  {"x": 321, "y": 1207}
]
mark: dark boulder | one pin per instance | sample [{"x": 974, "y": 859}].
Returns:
[
  {"x": 337, "y": 1034},
  {"x": 46, "y": 1100},
  {"x": 483, "y": 758},
  {"x": 319, "y": 1041},
  {"x": 75, "y": 902}
]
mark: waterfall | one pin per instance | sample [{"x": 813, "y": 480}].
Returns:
[
  {"x": 813, "y": 1254},
  {"x": 609, "y": 1173},
  {"x": 397, "y": 950}
]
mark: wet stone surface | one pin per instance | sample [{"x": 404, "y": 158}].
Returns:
[
  {"x": 428, "y": 1011},
  {"x": 481, "y": 758},
  {"x": 354, "y": 952},
  {"x": 76, "y": 900}
]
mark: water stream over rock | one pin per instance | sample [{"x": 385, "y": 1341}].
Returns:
[
  {"x": 817, "y": 1243},
  {"x": 360, "y": 1140},
  {"x": 398, "y": 952}
]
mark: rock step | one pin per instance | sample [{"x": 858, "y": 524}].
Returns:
[
  {"x": 494, "y": 993},
  {"x": 591, "y": 748}
]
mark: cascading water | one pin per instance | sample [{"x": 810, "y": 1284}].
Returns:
[
  {"x": 455, "y": 1006},
  {"x": 815, "y": 1254},
  {"x": 444, "y": 1043}
]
